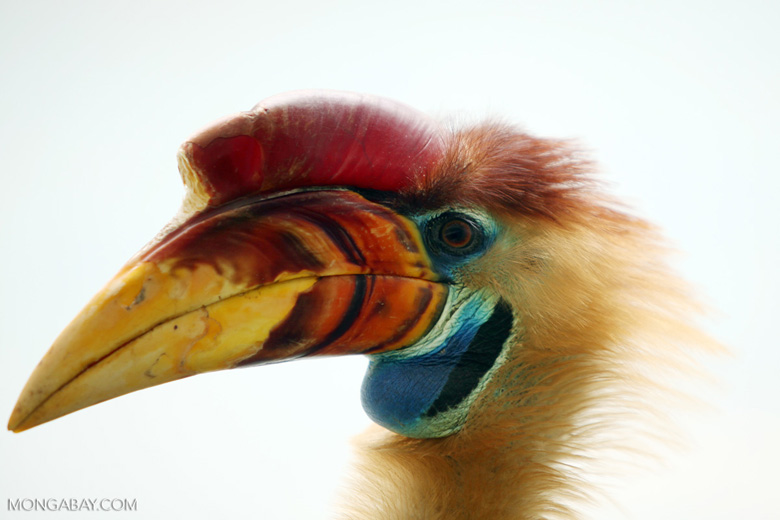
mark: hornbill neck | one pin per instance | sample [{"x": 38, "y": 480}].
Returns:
[{"x": 504, "y": 464}]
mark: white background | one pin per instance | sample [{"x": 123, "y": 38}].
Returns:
[{"x": 678, "y": 100}]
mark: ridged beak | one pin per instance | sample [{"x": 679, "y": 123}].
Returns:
[{"x": 255, "y": 281}]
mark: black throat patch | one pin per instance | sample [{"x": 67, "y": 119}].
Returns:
[{"x": 478, "y": 358}]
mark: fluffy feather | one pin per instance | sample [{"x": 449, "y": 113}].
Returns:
[{"x": 602, "y": 321}]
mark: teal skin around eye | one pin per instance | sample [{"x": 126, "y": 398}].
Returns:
[{"x": 447, "y": 256}]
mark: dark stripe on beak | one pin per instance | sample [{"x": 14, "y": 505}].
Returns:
[
  {"x": 344, "y": 315},
  {"x": 298, "y": 335}
]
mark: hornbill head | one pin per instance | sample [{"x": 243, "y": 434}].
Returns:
[
  {"x": 309, "y": 228},
  {"x": 324, "y": 223}
]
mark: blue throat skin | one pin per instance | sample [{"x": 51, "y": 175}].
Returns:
[{"x": 425, "y": 391}]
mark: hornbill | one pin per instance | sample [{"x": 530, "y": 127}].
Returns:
[{"x": 513, "y": 314}]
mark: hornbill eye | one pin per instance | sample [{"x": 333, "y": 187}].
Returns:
[{"x": 454, "y": 236}]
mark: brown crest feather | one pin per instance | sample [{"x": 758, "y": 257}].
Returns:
[{"x": 496, "y": 167}]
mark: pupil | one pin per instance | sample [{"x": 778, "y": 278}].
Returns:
[{"x": 456, "y": 233}]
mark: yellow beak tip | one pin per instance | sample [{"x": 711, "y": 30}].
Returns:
[{"x": 16, "y": 425}]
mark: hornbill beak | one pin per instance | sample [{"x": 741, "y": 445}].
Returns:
[{"x": 253, "y": 281}]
